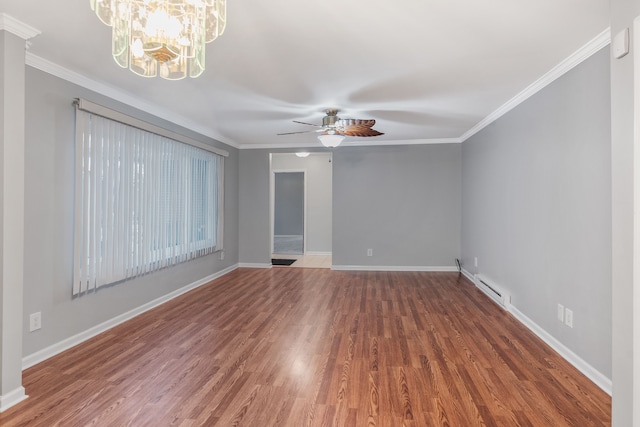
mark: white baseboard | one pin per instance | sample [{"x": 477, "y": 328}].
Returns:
[
  {"x": 18, "y": 395},
  {"x": 317, "y": 253},
  {"x": 12, "y": 398},
  {"x": 468, "y": 275},
  {"x": 589, "y": 371},
  {"x": 391, "y": 268},
  {"x": 254, "y": 265},
  {"x": 67, "y": 343}
]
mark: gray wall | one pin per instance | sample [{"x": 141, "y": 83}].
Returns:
[
  {"x": 536, "y": 206},
  {"x": 49, "y": 202},
  {"x": 12, "y": 132},
  {"x": 401, "y": 201},
  {"x": 254, "y": 227},
  {"x": 319, "y": 171},
  {"x": 288, "y": 213},
  {"x": 626, "y": 344}
]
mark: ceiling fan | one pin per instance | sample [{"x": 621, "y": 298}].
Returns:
[{"x": 334, "y": 129}]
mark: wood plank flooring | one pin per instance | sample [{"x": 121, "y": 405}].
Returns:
[{"x": 313, "y": 347}]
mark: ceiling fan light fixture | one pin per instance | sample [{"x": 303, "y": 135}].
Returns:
[
  {"x": 162, "y": 37},
  {"x": 331, "y": 140},
  {"x": 334, "y": 129}
]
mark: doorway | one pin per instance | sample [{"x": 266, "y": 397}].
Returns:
[
  {"x": 289, "y": 213},
  {"x": 307, "y": 243}
]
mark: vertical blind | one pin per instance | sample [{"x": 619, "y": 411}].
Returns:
[{"x": 142, "y": 202}]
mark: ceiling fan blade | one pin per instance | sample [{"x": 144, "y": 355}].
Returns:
[
  {"x": 359, "y": 131},
  {"x": 292, "y": 133},
  {"x": 346, "y": 123},
  {"x": 331, "y": 123},
  {"x": 356, "y": 127},
  {"x": 303, "y": 123}
]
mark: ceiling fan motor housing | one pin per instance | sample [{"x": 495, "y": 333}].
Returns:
[{"x": 330, "y": 119}]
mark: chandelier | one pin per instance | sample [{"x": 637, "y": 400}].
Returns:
[{"x": 162, "y": 37}]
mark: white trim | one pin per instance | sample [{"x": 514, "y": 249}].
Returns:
[
  {"x": 254, "y": 265},
  {"x": 289, "y": 146},
  {"x": 575, "y": 59},
  {"x": 12, "y": 398},
  {"x": 361, "y": 142},
  {"x": 352, "y": 142},
  {"x": 391, "y": 268},
  {"x": 589, "y": 371},
  {"x": 18, "y": 395},
  {"x": 100, "y": 110},
  {"x": 635, "y": 310},
  {"x": 52, "y": 350},
  {"x": 318, "y": 253},
  {"x": 468, "y": 275},
  {"x": 18, "y": 28},
  {"x": 600, "y": 41},
  {"x": 272, "y": 203},
  {"x": 118, "y": 94}
]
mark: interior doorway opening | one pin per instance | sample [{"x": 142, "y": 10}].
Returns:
[
  {"x": 301, "y": 209},
  {"x": 289, "y": 213}
]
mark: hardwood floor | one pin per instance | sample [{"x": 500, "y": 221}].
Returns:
[{"x": 314, "y": 347}]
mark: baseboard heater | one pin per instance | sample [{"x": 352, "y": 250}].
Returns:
[{"x": 493, "y": 291}]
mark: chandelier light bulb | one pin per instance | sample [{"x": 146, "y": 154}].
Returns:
[{"x": 136, "y": 49}]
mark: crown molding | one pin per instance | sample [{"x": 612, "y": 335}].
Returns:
[
  {"x": 12, "y": 25},
  {"x": 121, "y": 96},
  {"x": 20, "y": 29},
  {"x": 353, "y": 143},
  {"x": 424, "y": 141},
  {"x": 294, "y": 145},
  {"x": 575, "y": 59}
]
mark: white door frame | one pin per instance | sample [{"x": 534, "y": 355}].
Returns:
[
  {"x": 635, "y": 43},
  {"x": 272, "y": 199}
]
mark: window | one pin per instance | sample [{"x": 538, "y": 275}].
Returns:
[{"x": 143, "y": 202}]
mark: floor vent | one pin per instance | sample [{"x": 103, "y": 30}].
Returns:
[{"x": 493, "y": 291}]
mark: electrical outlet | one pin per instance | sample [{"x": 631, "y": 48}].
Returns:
[
  {"x": 221, "y": 255},
  {"x": 561, "y": 312},
  {"x": 369, "y": 252},
  {"x": 35, "y": 321},
  {"x": 475, "y": 261},
  {"x": 568, "y": 318}
]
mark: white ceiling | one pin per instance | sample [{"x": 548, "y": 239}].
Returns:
[{"x": 425, "y": 70}]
